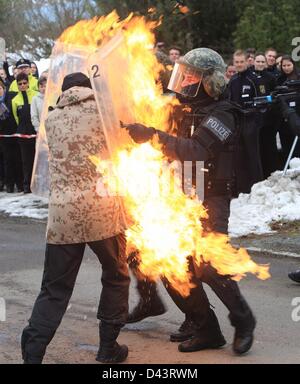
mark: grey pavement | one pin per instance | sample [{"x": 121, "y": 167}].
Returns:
[{"x": 21, "y": 264}]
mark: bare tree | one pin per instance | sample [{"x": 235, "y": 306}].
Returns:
[{"x": 47, "y": 19}]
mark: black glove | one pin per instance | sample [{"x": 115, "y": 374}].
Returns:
[{"x": 139, "y": 133}]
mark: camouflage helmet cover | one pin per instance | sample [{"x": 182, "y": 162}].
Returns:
[{"x": 212, "y": 65}]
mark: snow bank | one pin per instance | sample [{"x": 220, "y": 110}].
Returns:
[
  {"x": 19, "y": 205},
  {"x": 275, "y": 199}
]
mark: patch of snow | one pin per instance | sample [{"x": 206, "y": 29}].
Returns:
[
  {"x": 275, "y": 199},
  {"x": 20, "y": 205}
]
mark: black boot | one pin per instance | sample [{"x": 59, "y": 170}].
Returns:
[
  {"x": 241, "y": 316},
  {"x": 32, "y": 345},
  {"x": 295, "y": 276},
  {"x": 199, "y": 343},
  {"x": 185, "y": 332},
  {"x": 2, "y": 185},
  {"x": 244, "y": 337},
  {"x": 110, "y": 351},
  {"x": 150, "y": 303},
  {"x": 207, "y": 334}
]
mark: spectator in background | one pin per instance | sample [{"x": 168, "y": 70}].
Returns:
[
  {"x": 266, "y": 84},
  {"x": 242, "y": 86},
  {"x": 278, "y": 61},
  {"x": 230, "y": 71},
  {"x": 23, "y": 67},
  {"x": 45, "y": 74},
  {"x": 250, "y": 57},
  {"x": 8, "y": 78},
  {"x": 3, "y": 113},
  {"x": 27, "y": 134},
  {"x": 288, "y": 70},
  {"x": 265, "y": 81},
  {"x": 160, "y": 47},
  {"x": 34, "y": 70},
  {"x": 4, "y": 78},
  {"x": 174, "y": 54},
  {"x": 15, "y": 73},
  {"x": 271, "y": 55},
  {"x": 37, "y": 104},
  {"x": 9, "y": 144}
]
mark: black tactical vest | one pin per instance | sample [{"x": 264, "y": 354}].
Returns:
[{"x": 234, "y": 166}]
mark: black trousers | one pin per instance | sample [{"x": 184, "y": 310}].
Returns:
[
  {"x": 12, "y": 162},
  {"x": 2, "y": 166},
  {"x": 196, "y": 306},
  {"x": 62, "y": 263},
  {"x": 287, "y": 139},
  {"x": 27, "y": 147},
  {"x": 270, "y": 157}
]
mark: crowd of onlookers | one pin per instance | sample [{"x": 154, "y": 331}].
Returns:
[
  {"x": 249, "y": 74},
  {"x": 21, "y": 105}
]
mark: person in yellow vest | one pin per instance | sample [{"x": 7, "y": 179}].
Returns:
[
  {"x": 23, "y": 66},
  {"x": 25, "y": 132}
]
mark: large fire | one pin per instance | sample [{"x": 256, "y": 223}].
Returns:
[{"x": 166, "y": 223}]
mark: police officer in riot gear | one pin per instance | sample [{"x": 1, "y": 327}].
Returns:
[{"x": 214, "y": 137}]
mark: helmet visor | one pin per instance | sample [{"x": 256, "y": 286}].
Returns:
[{"x": 185, "y": 80}]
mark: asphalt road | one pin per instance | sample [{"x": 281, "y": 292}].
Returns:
[{"x": 21, "y": 265}]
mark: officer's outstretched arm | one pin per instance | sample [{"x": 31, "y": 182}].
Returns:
[
  {"x": 207, "y": 139},
  {"x": 178, "y": 148},
  {"x": 172, "y": 147}
]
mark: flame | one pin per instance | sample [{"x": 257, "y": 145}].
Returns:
[
  {"x": 92, "y": 33},
  {"x": 167, "y": 224},
  {"x": 184, "y": 9}
]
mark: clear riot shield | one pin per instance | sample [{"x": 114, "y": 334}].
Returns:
[
  {"x": 107, "y": 68},
  {"x": 65, "y": 59}
]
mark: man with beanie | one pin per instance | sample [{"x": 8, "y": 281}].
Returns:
[{"x": 78, "y": 216}]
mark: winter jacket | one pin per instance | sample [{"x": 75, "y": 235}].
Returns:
[
  {"x": 8, "y": 127},
  {"x": 265, "y": 81},
  {"x": 283, "y": 77},
  {"x": 33, "y": 84},
  {"x": 21, "y": 111},
  {"x": 274, "y": 71},
  {"x": 242, "y": 87},
  {"x": 36, "y": 110},
  {"x": 77, "y": 214}
]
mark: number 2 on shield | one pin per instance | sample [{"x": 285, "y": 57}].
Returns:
[{"x": 95, "y": 69}]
